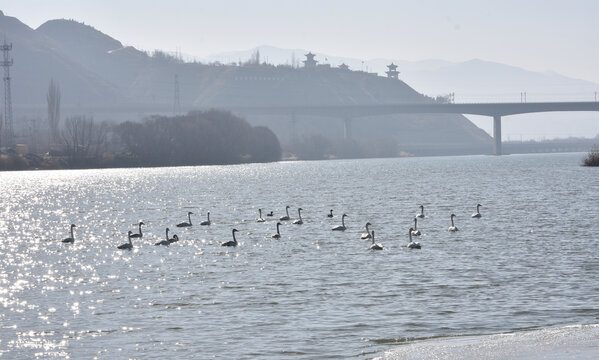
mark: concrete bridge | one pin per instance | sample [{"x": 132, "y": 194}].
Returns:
[{"x": 348, "y": 112}]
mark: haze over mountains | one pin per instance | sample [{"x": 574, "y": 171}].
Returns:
[{"x": 96, "y": 73}]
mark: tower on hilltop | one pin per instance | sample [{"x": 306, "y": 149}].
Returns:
[
  {"x": 310, "y": 63},
  {"x": 392, "y": 73},
  {"x": 8, "y": 135}
]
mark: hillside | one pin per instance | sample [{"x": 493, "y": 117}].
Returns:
[{"x": 100, "y": 77}]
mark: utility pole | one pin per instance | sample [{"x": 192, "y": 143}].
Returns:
[
  {"x": 176, "y": 99},
  {"x": 8, "y": 136}
]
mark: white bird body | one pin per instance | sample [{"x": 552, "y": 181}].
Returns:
[
  {"x": 342, "y": 226},
  {"x": 285, "y": 217},
  {"x": 416, "y": 232},
  {"x": 412, "y": 244},
  {"x": 366, "y": 235},
  {"x": 299, "y": 214},
  {"x": 374, "y": 245},
  {"x": 260, "y": 219},
  {"x": 477, "y": 213},
  {"x": 453, "y": 228}
]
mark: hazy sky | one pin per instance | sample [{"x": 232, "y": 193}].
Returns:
[{"x": 537, "y": 35}]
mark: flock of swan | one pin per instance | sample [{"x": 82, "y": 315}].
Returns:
[{"x": 368, "y": 235}]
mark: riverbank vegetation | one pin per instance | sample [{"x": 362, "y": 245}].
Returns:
[
  {"x": 592, "y": 158},
  {"x": 198, "y": 138}
]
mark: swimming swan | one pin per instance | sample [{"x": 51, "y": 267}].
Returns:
[
  {"x": 72, "y": 238},
  {"x": 270, "y": 214},
  {"x": 184, "y": 224},
  {"x": 231, "y": 242},
  {"x": 129, "y": 245},
  {"x": 299, "y": 213},
  {"x": 139, "y": 235},
  {"x": 421, "y": 215},
  {"x": 374, "y": 245},
  {"x": 206, "y": 222},
  {"x": 416, "y": 232},
  {"x": 412, "y": 244},
  {"x": 278, "y": 234},
  {"x": 260, "y": 219},
  {"x": 453, "y": 227},
  {"x": 166, "y": 242},
  {"x": 330, "y": 214},
  {"x": 366, "y": 235},
  {"x": 286, "y": 217},
  {"x": 342, "y": 226},
  {"x": 477, "y": 213}
]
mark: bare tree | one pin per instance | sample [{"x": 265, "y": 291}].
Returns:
[
  {"x": 53, "y": 98},
  {"x": 83, "y": 139}
]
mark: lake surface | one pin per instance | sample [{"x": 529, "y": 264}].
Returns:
[{"x": 530, "y": 262}]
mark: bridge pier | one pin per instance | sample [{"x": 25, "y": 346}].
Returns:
[
  {"x": 497, "y": 134},
  {"x": 347, "y": 134}
]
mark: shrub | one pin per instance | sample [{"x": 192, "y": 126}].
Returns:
[{"x": 592, "y": 158}]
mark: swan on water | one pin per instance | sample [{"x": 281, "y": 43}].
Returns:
[
  {"x": 416, "y": 232},
  {"x": 184, "y": 224},
  {"x": 278, "y": 234},
  {"x": 206, "y": 222},
  {"x": 166, "y": 241},
  {"x": 231, "y": 242},
  {"x": 260, "y": 219},
  {"x": 299, "y": 213},
  {"x": 366, "y": 235},
  {"x": 412, "y": 244},
  {"x": 453, "y": 227},
  {"x": 477, "y": 213},
  {"x": 72, "y": 238},
  {"x": 286, "y": 217},
  {"x": 129, "y": 245},
  {"x": 421, "y": 215},
  {"x": 342, "y": 226},
  {"x": 174, "y": 239},
  {"x": 270, "y": 214},
  {"x": 374, "y": 245},
  {"x": 330, "y": 214},
  {"x": 139, "y": 235}
]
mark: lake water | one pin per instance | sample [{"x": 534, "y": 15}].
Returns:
[{"x": 531, "y": 262}]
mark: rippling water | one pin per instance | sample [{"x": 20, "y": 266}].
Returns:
[{"x": 531, "y": 261}]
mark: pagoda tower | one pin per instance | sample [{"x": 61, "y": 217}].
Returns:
[
  {"x": 392, "y": 73},
  {"x": 310, "y": 63}
]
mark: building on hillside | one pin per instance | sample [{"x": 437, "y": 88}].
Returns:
[
  {"x": 310, "y": 63},
  {"x": 343, "y": 66},
  {"x": 392, "y": 73}
]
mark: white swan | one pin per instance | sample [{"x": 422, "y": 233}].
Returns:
[
  {"x": 139, "y": 235},
  {"x": 72, "y": 238},
  {"x": 366, "y": 235},
  {"x": 278, "y": 234},
  {"x": 206, "y": 222},
  {"x": 412, "y": 244},
  {"x": 260, "y": 219},
  {"x": 184, "y": 224},
  {"x": 453, "y": 227},
  {"x": 330, "y": 214},
  {"x": 374, "y": 245},
  {"x": 166, "y": 242},
  {"x": 477, "y": 213},
  {"x": 416, "y": 232},
  {"x": 299, "y": 213},
  {"x": 342, "y": 226},
  {"x": 231, "y": 242},
  {"x": 286, "y": 217},
  {"x": 129, "y": 245},
  {"x": 421, "y": 215}
]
